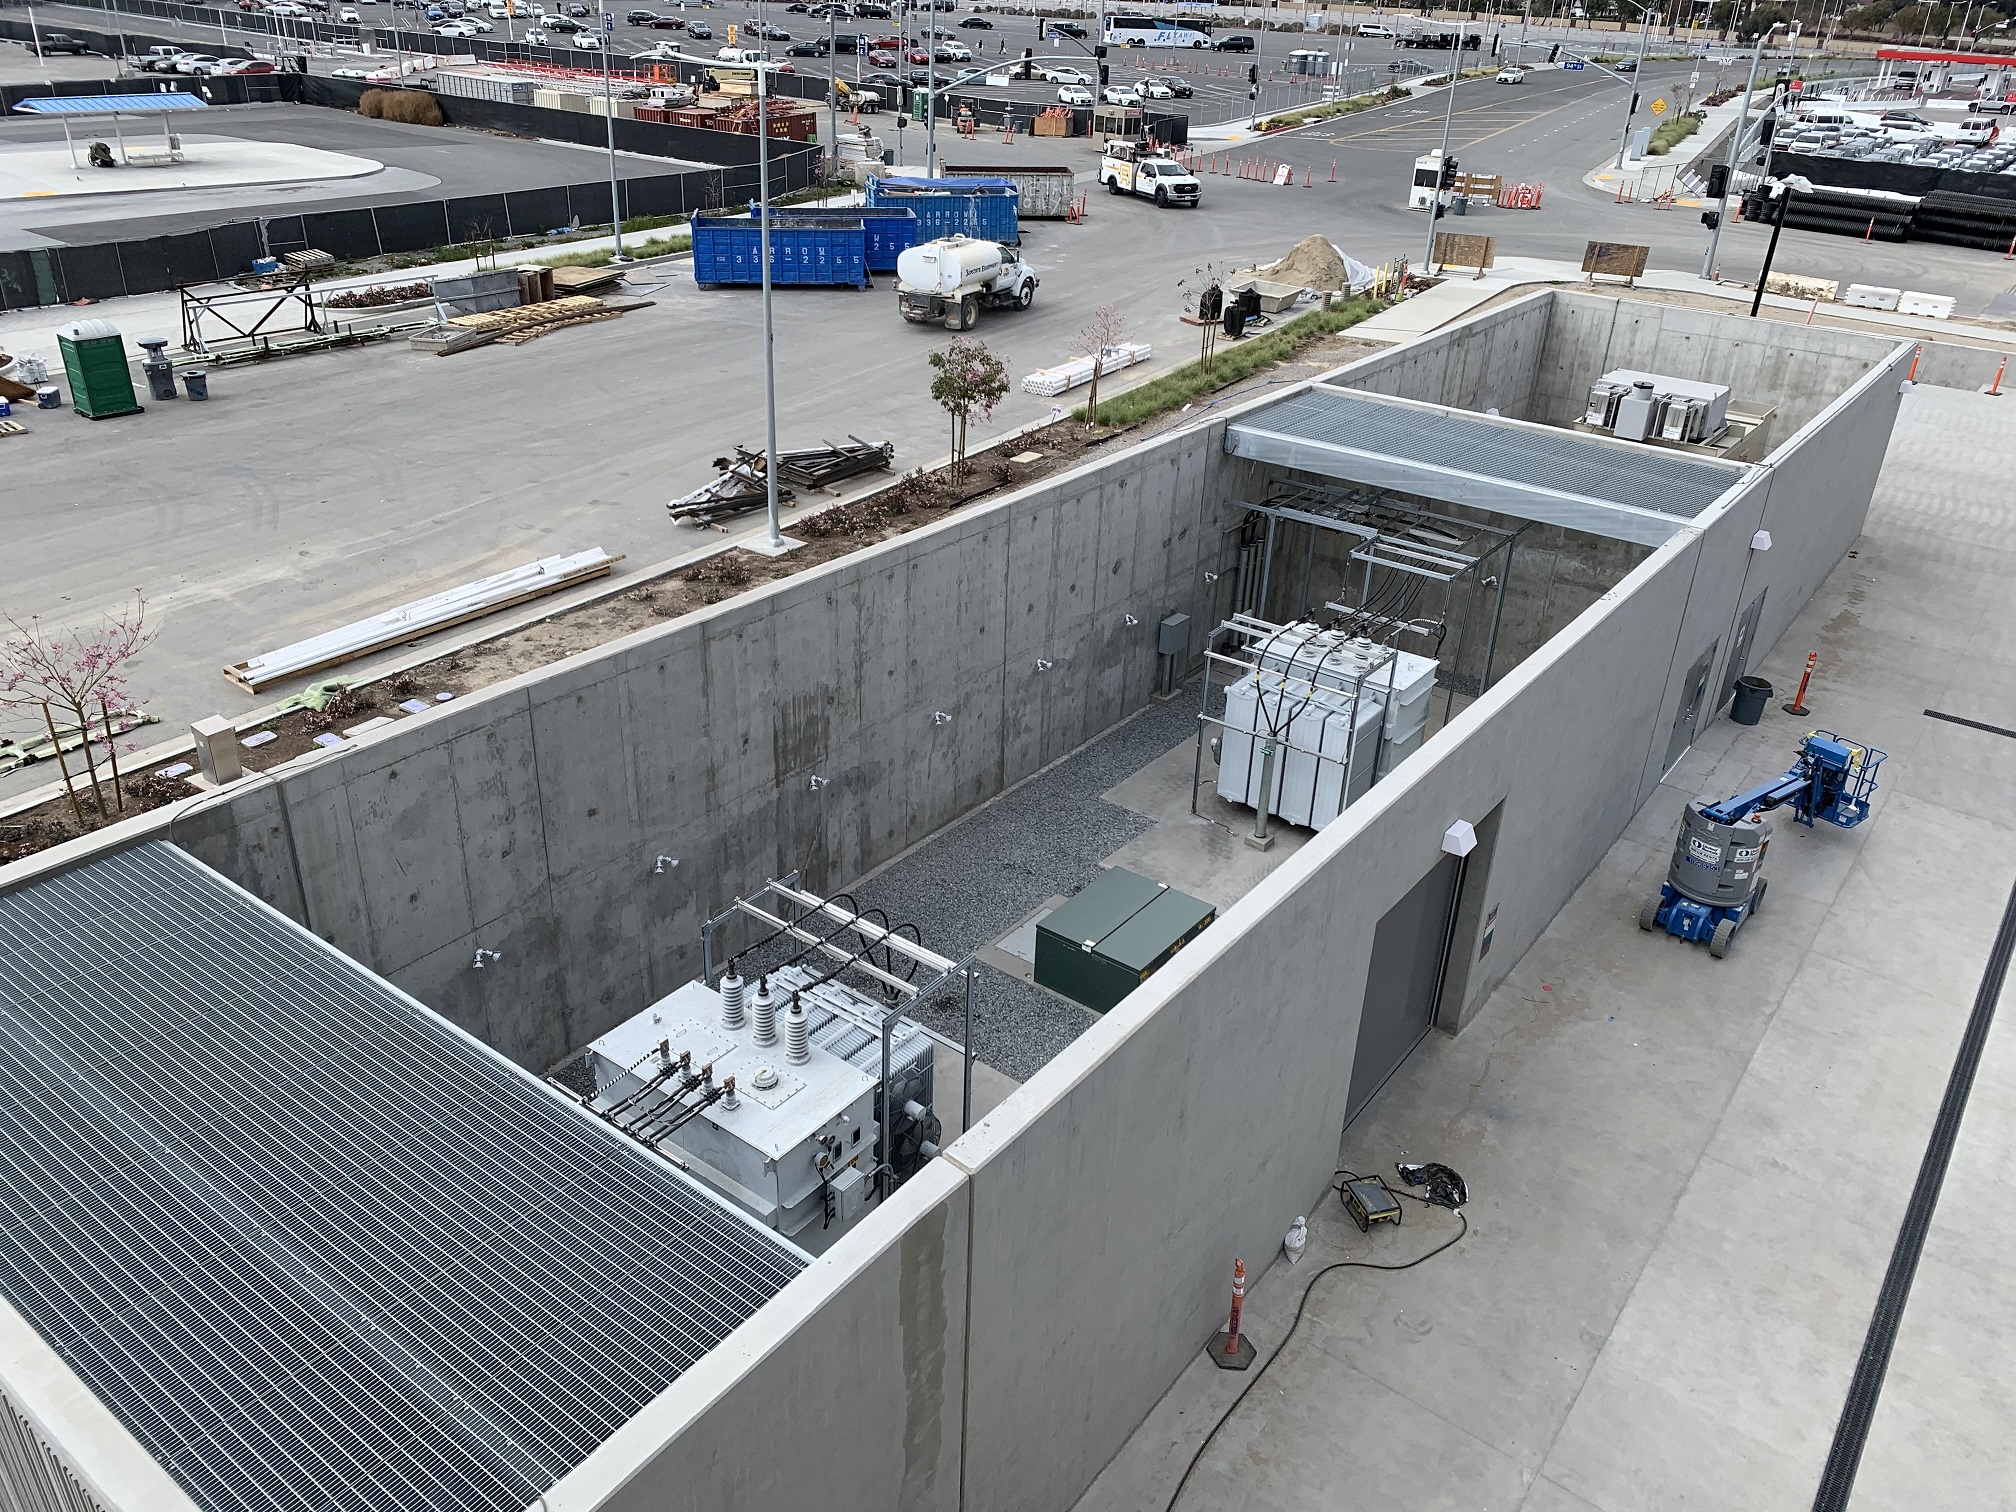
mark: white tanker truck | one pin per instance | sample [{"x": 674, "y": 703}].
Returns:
[{"x": 949, "y": 279}]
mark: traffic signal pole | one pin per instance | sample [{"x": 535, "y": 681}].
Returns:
[
  {"x": 1721, "y": 211},
  {"x": 1442, "y": 158}
]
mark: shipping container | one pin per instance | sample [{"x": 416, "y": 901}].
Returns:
[
  {"x": 890, "y": 228},
  {"x": 504, "y": 89},
  {"x": 827, "y": 250},
  {"x": 1042, "y": 193},
  {"x": 979, "y": 207}
]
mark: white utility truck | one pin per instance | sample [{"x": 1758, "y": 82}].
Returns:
[
  {"x": 949, "y": 279},
  {"x": 1149, "y": 171}
]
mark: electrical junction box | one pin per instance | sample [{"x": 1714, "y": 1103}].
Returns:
[{"x": 1102, "y": 944}]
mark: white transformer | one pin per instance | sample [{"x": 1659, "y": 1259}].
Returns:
[
  {"x": 1329, "y": 703},
  {"x": 1636, "y": 406},
  {"x": 795, "y": 1142}
]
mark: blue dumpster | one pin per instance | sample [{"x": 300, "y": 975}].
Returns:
[
  {"x": 890, "y": 229},
  {"x": 980, "y": 207},
  {"x": 821, "y": 251}
]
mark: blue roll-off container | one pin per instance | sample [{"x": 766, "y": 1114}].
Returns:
[
  {"x": 987, "y": 208},
  {"x": 827, "y": 251},
  {"x": 889, "y": 229}
]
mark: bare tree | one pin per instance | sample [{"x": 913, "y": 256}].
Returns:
[
  {"x": 1108, "y": 328},
  {"x": 79, "y": 674},
  {"x": 969, "y": 378},
  {"x": 1204, "y": 298}
]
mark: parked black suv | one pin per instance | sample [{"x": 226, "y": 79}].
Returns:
[{"x": 1234, "y": 44}]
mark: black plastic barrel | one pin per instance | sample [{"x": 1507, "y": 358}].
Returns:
[{"x": 1752, "y": 693}]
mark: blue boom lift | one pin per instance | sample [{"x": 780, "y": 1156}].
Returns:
[{"x": 1716, "y": 881}]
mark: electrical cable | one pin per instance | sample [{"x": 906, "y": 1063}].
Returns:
[{"x": 1296, "y": 1322}]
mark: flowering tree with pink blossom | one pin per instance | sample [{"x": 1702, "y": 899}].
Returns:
[
  {"x": 969, "y": 378},
  {"x": 77, "y": 675}
]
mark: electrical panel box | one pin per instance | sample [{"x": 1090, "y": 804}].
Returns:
[{"x": 1102, "y": 944}]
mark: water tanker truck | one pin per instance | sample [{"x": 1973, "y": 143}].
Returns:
[{"x": 948, "y": 280}]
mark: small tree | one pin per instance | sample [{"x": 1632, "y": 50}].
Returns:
[
  {"x": 79, "y": 675},
  {"x": 1204, "y": 299},
  {"x": 969, "y": 378},
  {"x": 1108, "y": 328}
]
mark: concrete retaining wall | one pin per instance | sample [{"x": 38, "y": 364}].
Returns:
[{"x": 991, "y": 1337}]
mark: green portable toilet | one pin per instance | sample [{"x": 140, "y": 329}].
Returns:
[{"x": 94, "y": 355}]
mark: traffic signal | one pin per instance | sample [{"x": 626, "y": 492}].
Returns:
[
  {"x": 1554, "y": 53},
  {"x": 1099, "y": 51},
  {"x": 1718, "y": 181},
  {"x": 1711, "y": 218},
  {"x": 1448, "y": 173},
  {"x": 1105, "y": 75},
  {"x": 1252, "y": 73}
]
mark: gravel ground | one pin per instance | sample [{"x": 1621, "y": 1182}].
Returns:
[{"x": 972, "y": 884}]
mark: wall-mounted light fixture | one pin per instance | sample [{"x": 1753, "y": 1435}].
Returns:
[
  {"x": 482, "y": 955},
  {"x": 664, "y": 865}
]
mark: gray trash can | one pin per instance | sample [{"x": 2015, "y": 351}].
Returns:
[
  {"x": 1752, "y": 693},
  {"x": 196, "y": 383}
]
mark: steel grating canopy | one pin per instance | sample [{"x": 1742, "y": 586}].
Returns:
[
  {"x": 1632, "y": 492},
  {"x": 313, "y": 1246}
]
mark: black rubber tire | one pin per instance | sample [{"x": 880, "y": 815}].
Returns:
[
  {"x": 1113, "y": 186},
  {"x": 1757, "y": 897},
  {"x": 1718, "y": 943},
  {"x": 1162, "y": 198},
  {"x": 1027, "y": 297},
  {"x": 1648, "y": 915},
  {"x": 969, "y": 312}
]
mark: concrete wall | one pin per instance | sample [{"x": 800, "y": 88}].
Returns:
[
  {"x": 526, "y": 819},
  {"x": 991, "y": 1337},
  {"x": 1490, "y": 361}
]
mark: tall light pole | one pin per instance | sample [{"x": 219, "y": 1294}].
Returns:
[
  {"x": 774, "y": 543},
  {"x": 1442, "y": 165},
  {"x": 1735, "y": 151},
  {"x": 608, "y": 20},
  {"x": 1631, "y": 104},
  {"x": 931, "y": 92}
]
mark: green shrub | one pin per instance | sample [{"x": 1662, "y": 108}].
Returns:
[{"x": 1666, "y": 138}]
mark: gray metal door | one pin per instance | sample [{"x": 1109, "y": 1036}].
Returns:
[
  {"x": 1693, "y": 693},
  {"x": 1739, "y": 647},
  {"x": 1407, "y": 952}
]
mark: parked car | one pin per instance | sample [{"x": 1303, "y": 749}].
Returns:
[
  {"x": 954, "y": 52},
  {"x": 797, "y": 8},
  {"x": 1164, "y": 87},
  {"x": 669, "y": 23},
  {"x": 918, "y": 56},
  {"x": 235, "y": 67},
  {"x": 157, "y": 59},
  {"x": 1067, "y": 76},
  {"x": 772, "y": 33},
  {"x": 1233, "y": 44},
  {"x": 188, "y": 63},
  {"x": 805, "y": 50},
  {"x": 577, "y": 10},
  {"x": 1374, "y": 29},
  {"x": 1511, "y": 75},
  {"x": 977, "y": 23},
  {"x": 454, "y": 29},
  {"x": 1074, "y": 94},
  {"x": 349, "y": 13},
  {"x": 1991, "y": 107},
  {"x": 877, "y": 58},
  {"x": 349, "y": 73},
  {"x": 700, "y": 31},
  {"x": 1121, "y": 94},
  {"x": 639, "y": 17},
  {"x": 871, "y": 8},
  {"x": 535, "y": 37},
  {"x": 57, "y": 42},
  {"x": 562, "y": 24},
  {"x": 585, "y": 38}
]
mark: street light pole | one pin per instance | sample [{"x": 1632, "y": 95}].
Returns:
[
  {"x": 1735, "y": 151},
  {"x": 1442, "y": 159},
  {"x": 1631, "y": 104},
  {"x": 1785, "y": 188},
  {"x": 775, "y": 542},
  {"x": 931, "y": 93},
  {"x": 608, "y": 21}
]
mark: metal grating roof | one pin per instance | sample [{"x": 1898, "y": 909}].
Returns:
[
  {"x": 117, "y": 104},
  {"x": 1465, "y": 459},
  {"x": 312, "y": 1245}
]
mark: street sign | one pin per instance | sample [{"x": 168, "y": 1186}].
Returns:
[
  {"x": 608, "y": 22},
  {"x": 1574, "y": 66},
  {"x": 860, "y": 47},
  {"x": 1659, "y": 106}
]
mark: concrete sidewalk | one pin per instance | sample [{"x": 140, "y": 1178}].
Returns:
[{"x": 1687, "y": 1175}]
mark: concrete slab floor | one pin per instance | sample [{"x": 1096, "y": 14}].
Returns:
[{"x": 1686, "y": 1174}]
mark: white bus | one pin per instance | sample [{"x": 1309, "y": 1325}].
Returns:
[{"x": 1154, "y": 31}]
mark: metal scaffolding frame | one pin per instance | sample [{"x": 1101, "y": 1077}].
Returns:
[
  {"x": 794, "y": 921},
  {"x": 1403, "y": 547}
]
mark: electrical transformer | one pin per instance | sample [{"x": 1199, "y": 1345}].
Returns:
[{"x": 770, "y": 1093}]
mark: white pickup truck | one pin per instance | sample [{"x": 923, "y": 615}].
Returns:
[
  {"x": 948, "y": 280},
  {"x": 1137, "y": 168}
]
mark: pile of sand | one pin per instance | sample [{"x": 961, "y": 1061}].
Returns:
[{"x": 1312, "y": 263}]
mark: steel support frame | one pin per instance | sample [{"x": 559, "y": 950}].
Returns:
[{"x": 945, "y": 972}]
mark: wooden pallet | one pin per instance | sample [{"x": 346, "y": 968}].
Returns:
[{"x": 12, "y": 428}]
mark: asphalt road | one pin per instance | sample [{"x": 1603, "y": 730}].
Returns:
[{"x": 316, "y": 490}]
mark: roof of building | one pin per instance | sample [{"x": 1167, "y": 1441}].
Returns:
[
  {"x": 112, "y": 104},
  {"x": 1536, "y": 472},
  {"x": 310, "y": 1243}
]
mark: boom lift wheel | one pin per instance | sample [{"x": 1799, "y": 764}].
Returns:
[
  {"x": 1648, "y": 915},
  {"x": 1718, "y": 944},
  {"x": 1757, "y": 898}
]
